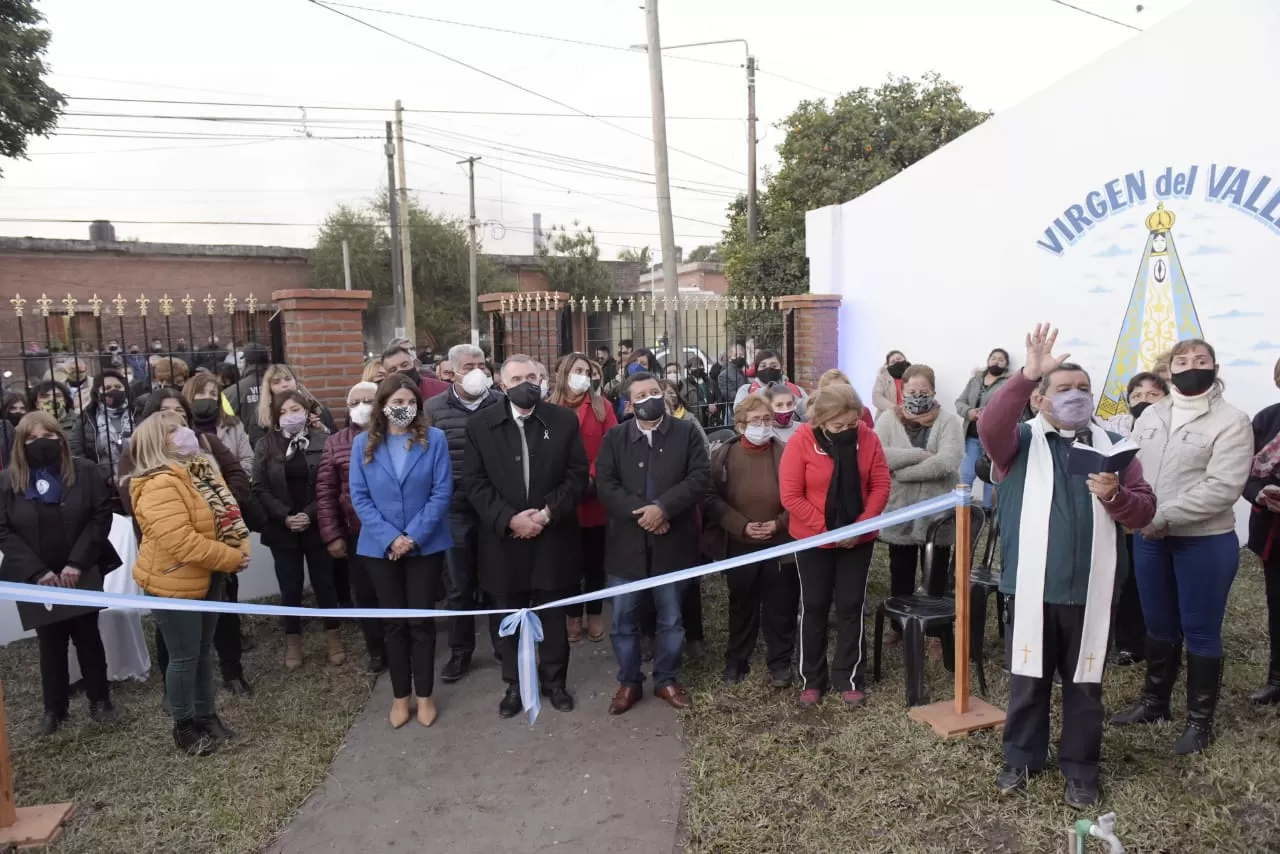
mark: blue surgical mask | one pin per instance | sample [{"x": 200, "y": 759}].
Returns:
[{"x": 1072, "y": 409}]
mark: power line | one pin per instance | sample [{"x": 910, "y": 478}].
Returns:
[
  {"x": 513, "y": 84},
  {"x": 1093, "y": 14},
  {"x": 114, "y": 151}
]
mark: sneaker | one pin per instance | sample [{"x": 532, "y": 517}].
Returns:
[
  {"x": 192, "y": 740},
  {"x": 455, "y": 668},
  {"x": 810, "y": 697},
  {"x": 1081, "y": 795},
  {"x": 853, "y": 699},
  {"x": 1011, "y": 780},
  {"x": 103, "y": 712}
]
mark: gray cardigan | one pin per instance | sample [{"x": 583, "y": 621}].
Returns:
[{"x": 918, "y": 477}]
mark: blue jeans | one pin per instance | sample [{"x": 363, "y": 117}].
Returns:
[
  {"x": 968, "y": 474},
  {"x": 668, "y": 640},
  {"x": 1183, "y": 583}
]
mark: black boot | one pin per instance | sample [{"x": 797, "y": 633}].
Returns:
[
  {"x": 192, "y": 740},
  {"x": 1204, "y": 685},
  {"x": 213, "y": 725},
  {"x": 1163, "y": 661},
  {"x": 1269, "y": 694}
]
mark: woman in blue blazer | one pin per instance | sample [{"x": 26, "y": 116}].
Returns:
[{"x": 401, "y": 483}]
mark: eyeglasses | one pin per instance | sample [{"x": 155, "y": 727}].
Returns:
[{"x": 759, "y": 421}]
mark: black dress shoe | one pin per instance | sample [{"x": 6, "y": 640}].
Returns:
[
  {"x": 213, "y": 725},
  {"x": 734, "y": 675},
  {"x": 240, "y": 687},
  {"x": 455, "y": 668},
  {"x": 51, "y": 723},
  {"x": 1011, "y": 780},
  {"x": 102, "y": 712},
  {"x": 1081, "y": 795},
  {"x": 375, "y": 663},
  {"x": 511, "y": 704},
  {"x": 561, "y": 699},
  {"x": 1267, "y": 695}
]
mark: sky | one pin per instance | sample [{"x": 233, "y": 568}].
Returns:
[{"x": 279, "y": 169}]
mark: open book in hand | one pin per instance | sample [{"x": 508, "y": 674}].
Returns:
[{"x": 1086, "y": 459}]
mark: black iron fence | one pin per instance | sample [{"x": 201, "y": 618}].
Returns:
[{"x": 683, "y": 336}]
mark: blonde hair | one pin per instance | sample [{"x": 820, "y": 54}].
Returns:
[
  {"x": 832, "y": 401},
  {"x": 171, "y": 371},
  {"x": 150, "y": 443},
  {"x": 370, "y": 372},
  {"x": 19, "y": 468},
  {"x": 835, "y": 375},
  {"x": 265, "y": 415}
]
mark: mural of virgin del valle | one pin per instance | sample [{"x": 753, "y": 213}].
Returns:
[{"x": 1160, "y": 313}]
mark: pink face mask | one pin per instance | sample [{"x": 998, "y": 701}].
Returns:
[
  {"x": 783, "y": 419},
  {"x": 185, "y": 441}
]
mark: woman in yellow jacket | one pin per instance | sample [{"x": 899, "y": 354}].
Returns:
[{"x": 193, "y": 537}]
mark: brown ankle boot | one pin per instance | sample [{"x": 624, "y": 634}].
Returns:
[
  {"x": 292, "y": 652},
  {"x": 337, "y": 655},
  {"x": 575, "y": 629},
  {"x": 595, "y": 628}
]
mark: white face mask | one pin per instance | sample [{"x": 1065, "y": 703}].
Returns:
[
  {"x": 476, "y": 382},
  {"x": 759, "y": 435},
  {"x": 361, "y": 413},
  {"x": 545, "y": 388},
  {"x": 579, "y": 383}
]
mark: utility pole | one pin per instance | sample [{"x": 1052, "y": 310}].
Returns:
[
  {"x": 473, "y": 226},
  {"x": 663, "y": 179},
  {"x": 406, "y": 258},
  {"x": 346, "y": 263},
  {"x": 397, "y": 283},
  {"x": 751, "y": 147}
]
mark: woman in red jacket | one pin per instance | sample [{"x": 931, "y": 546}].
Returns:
[
  {"x": 833, "y": 473},
  {"x": 577, "y": 386}
]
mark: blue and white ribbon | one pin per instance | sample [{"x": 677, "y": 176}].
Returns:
[{"x": 523, "y": 621}]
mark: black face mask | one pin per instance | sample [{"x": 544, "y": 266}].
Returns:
[
  {"x": 996, "y": 370},
  {"x": 697, "y": 373},
  {"x": 205, "y": 409},
  {"x": 768, "y": 376},
  {"x": 525, "y": 395},
  {"x": 44, "y": 453},
  {"x": 1138, "y": 408},
  {"x": 413, "y": 375},
  {"x": 650, "y": 409},
  {"x": 1194, "y": 381},
  {"x": 14, "y": 417},
  {"x": 897, "y": 369},
  {"x": 114, "y": 398},
  {"x": 595, "y": 385},
  {"x": 739, "y": 362}
]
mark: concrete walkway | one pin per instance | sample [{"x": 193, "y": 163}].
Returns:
[{"x": 474, "y": 782}]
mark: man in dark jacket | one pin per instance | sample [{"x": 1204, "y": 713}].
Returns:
[
  {"x": 732, "y": 377},
  {"x": 651, "y": 474},
  {"x": 470, "y": 394},
  {"x": 244, "y": 395},
  {"x": 336, "y": 517},
  {"x": 524, "y": 470}
]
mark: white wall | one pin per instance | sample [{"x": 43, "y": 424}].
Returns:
[
  {"x": 255, "y": 582},
  {"x": 942, "y": 261}
]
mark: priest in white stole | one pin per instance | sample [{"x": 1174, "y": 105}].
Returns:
[{"x": 1063, "y": 557}]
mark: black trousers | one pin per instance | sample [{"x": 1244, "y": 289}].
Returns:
[
  {"x": 904, "y": 562},
  {"x": 364, "y": 595},
  {"x": 553, "y": 652},
  {"x": 762, "y": 595},
  {"x": 293, "y": 563},
  {"x": 840, "y": 576},
  {"x": 1026, "y": 723},
  {"x": 690, "y": 613},
  {"x": 55, "y": 681},
  {"x": 411, "y": 582},
  {"x": 226, "y": 638},
  {"x": 1128, "y": 628},
  {"x": 1271, "y": 576},
  {"x": 593, "y": 575},
  {"x": 342, "y": 579},
  {"x": 461, "y": 586}
]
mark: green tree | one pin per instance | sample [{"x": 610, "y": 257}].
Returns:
[
  {"x": 440, "y": 273},
  {"x": 706, "y": 252},
  {"x": 641, "y": 255},
  {"x": 28, "y": 105},
  {"x": 833, "y": 153},
  {"x": 572, "y": 263}
]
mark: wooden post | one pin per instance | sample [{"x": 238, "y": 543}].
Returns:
[
  {"x": 964, "y": 714},
  {"x": 24, "y": 827}
]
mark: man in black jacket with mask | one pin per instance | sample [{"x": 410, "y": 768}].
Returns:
[
  {"x": 470, "y": 394},
  {"x": 524, "y": 470}
]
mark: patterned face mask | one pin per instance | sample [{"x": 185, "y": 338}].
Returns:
[
  {"x": 917, "y": 403},
  {"x": 400, "y": 415}
]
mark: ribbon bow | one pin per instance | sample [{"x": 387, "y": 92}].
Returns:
[{"x": 527, "y": 623}]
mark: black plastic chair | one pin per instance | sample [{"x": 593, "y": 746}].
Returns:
[
  {"x": 983, "y": 581},
  {"x": 921, "y": 611}
]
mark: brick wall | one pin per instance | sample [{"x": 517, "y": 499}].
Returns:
[
  {"x": 324, "y": 341},
  {"x": 816, "y": 331}
]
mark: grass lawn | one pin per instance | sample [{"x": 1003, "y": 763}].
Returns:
[
  {"x": 764, "y": 776},
  {"x": 135, "y": 793}
]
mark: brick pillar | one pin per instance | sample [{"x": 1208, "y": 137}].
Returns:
[
  {"x": 814, "y": 333},
  {"x": 324, "y": 341}
]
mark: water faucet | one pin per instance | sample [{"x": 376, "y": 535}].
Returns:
[{"x": 1104, "y": 828}]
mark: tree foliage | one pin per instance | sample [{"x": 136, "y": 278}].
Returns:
[
  {"x": 833, "y": 153},
  {"x": 441, "y": 271},
  {"x": 636, "y": 255},
  {"x": 28, "y": 105},
  {"x": 706, "y": 252},
  {"x": 571, "y": 261}
]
